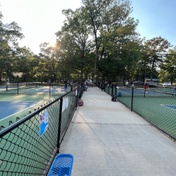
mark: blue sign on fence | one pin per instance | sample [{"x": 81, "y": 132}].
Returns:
[{"x": 43, "y": 121}]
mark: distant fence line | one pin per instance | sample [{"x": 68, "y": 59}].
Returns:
[
  {"x": 156, "y": 105},
  {"x": 29, "y": 145},
  {"x": 34, "y": 88}
]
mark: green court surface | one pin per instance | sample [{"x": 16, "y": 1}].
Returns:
[{"x": 156, "y": 107}]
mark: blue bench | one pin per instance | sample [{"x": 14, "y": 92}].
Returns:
[{"x": 62, "y": 165}]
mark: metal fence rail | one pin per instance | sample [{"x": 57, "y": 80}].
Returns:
[
  {"x": 158, "y": 106},
  {"x": 28, "y": 146}
]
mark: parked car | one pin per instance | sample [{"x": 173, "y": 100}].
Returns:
[
  {"x": 152, "y": 84},
  {"x": 166, "y": 84},
  {"x": 138, "y": 83}
]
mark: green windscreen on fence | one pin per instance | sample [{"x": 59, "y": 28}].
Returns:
[
  {"x": 27, "y": 148},
  {"x": 29, "y": 145}
]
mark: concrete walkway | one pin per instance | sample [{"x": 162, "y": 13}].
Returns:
[{"x": 107, "y": 139}]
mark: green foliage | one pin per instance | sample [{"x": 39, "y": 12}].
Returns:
[
  {"x": 112, "y": 34},
  {"x": 74, "y": 44},
  {"x": 154, "y": 50},
  {"x": 9, "y": 35},
  {"x": 97, "y": 41},
  {"x": 167, "y": 70}
]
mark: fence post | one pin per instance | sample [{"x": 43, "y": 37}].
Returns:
[
  {"x": 76, "y": 96},
  {"x": 17, "y": 88},
  {"x": 132, "y": 95},
  {"x": 116, "y": 89},
  {"x": 71, "y": 87},
  {"x": 49, "y": 89},
  {"x": 59, "y": 127},
  {"x": 112, "y": 86}
]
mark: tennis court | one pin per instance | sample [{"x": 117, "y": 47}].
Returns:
[
  {"x": 31, "y": 89},
  {"x": 29, "y": 145},
  {"x": 8, "y": 108},
  {"x": 17, "y": 102},
  {"x": 158, "y": 106}
]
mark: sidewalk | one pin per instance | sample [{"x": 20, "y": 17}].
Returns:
[{"x": 107, "y": 139}]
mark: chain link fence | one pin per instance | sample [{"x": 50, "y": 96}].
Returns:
[
  {"x": 28, "y": 146},
  {"x": 156, "y": 105},
  {"x": 51, "y": 89}
]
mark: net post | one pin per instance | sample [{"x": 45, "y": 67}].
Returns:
[
  {"x": 17, "y": 88},
  {"x": 49, "y": 89}
]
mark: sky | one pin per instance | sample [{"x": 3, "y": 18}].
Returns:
[
  {"x": 156, "y": 18},
  {"x": 41, "y": 19}
]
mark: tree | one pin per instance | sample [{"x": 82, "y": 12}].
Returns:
[
  {"x": 49, "y": 63},
  {"x": 155, "y": 48},
  {"x": 167, "y": 70},
  {"x": 74, "y": 43},
  {"x": 28, "y": 64},
  {"x": 9, "y": 35},
  {"x": 112, "y": 30}
]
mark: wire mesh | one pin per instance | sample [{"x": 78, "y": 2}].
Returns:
[
  {"x": 29, "y": 145},
  {"x": 24, "y": 151},
  {"x": 69, "y": 104},
  {"x": 34, "y": 88},
  {"x": 158, "y": 106},
  {"x": 125, "y": 94}
]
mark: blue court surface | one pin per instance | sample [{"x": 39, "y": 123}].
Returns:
[
  {"x": 136, "y": 91},
  {"x": 8, "y": 108},
  {"x": 170, "y": 106}
]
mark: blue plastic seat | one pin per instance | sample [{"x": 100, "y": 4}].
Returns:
[{"x": 62, "y": 165}]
